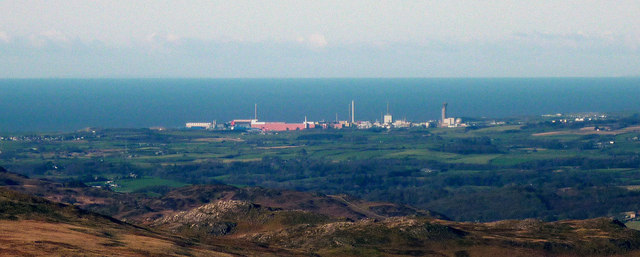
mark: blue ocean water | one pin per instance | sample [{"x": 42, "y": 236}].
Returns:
[{"x": 70, "y": 104}]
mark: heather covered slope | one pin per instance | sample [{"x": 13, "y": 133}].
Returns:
[
  {"x": 219, "y": 220},
  {"x": 314, "y": 233},
  {"x": 33, "y": 226},
  {"x": 426, "y": 237},
  {"x": 336, "y": 206}
]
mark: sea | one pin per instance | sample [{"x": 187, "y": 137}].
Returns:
[{"x": 48, "y": 105}]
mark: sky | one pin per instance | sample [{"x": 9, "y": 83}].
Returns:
[{"x": 281, "y": 39}]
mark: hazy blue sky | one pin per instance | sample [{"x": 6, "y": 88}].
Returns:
[{"x": 319, "y": 38}]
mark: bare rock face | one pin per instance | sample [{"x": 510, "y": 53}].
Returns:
[
  {"x": 216, "y": 218},
  {"x": 208, "y": 212}
]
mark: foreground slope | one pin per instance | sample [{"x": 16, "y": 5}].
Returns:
[
  {"x": 220, "y": 220},
  {"x": 423, "y": 237},
  {"x": 33, "y": 226}
]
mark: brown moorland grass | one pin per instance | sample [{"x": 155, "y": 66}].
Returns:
[{"x": 39, "y": 238}]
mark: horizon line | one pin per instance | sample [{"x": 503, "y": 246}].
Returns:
[{"x": 336, "y": 77}]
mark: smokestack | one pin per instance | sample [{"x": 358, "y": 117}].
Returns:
[
  {"x": 353, "y": 112},
  {"x": 255, "y": 112},
  {"x": 444, "y": 112}
]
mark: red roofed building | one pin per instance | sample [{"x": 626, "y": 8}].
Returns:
[{"x": 278, "y": 126}]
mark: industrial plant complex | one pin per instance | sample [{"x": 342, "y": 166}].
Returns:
[{"x": 270, "y": 126}]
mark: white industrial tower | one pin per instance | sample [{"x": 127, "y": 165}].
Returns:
[{"x": 353, "y": 112}]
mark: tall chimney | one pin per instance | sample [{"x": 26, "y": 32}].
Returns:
[
  {"x": 444, "y": 112},
  {"x": 353, "y": 112},
  {"x": 255, "y": 112}
]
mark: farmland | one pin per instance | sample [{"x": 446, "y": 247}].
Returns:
[{"x": 534, "y": 167}]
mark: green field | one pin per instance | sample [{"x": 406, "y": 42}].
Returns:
[
  {"x": 131, "y": 185},
  {"x": 507, "y": 168}
]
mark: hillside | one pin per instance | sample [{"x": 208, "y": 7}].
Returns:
[
  {"x": 141, "y": 208},
  {"x": 32, "y": 225},
  {"x": 220, "y": 220},
  {"x": 425, "y": 237}
]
